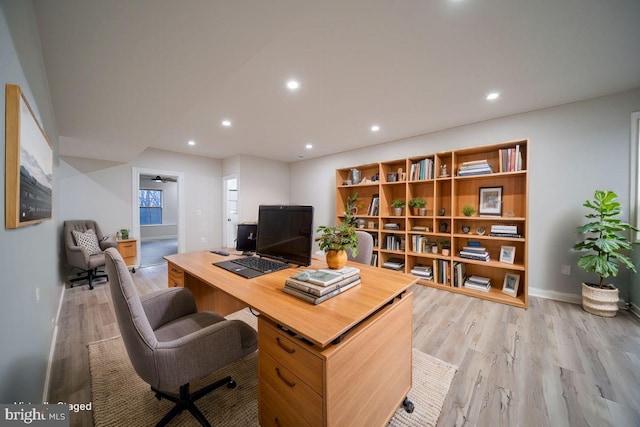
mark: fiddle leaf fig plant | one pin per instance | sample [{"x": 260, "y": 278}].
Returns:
[{"x": 604, "y": 244}]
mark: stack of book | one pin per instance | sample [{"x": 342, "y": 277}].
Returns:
[
  {"x": 475, "y": 167},
  {"x": 504, "y": 231},
  {"x": 394, "y": 264},
  {"x": 316, "y": 286},
  {"x": 391, "y": 226},
  {"x": 476, "y": 253},
  {"x": 422, "y": 271},
  {"x": 478, "y": 283},
  {"x": 510, "y": 159}
]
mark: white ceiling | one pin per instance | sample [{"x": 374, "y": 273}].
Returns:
[{"x": 125, "y": 75}]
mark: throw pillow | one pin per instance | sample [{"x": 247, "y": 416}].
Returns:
[{"x": 87, "y": 240}]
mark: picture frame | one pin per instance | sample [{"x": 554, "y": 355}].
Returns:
[
  {"x": 490, "y": 201},
  {"x": 508, "y": 254},
  {"x": 510, "y": 284},
  {"x": 28, "y": 164}
]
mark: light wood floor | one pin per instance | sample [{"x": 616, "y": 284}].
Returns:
[{"x": 551, "y": 365}]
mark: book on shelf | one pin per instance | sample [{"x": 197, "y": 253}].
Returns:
[
  {"x": 477, "y": 287},
  {"x": 318, "y": 290},
  {"x": 325, "y": 277},
  {"x": 475, "y": 167},
  {"x": 419, "y": 228},
  {"x": 510, "y": 159},
  {"x": 315, "y": 299},
  {"x": 479, "y": 280},
  {"x": 394, "y": 243},
  {"x": 422, "y": 271},
  {"x": 374, "y": 206},
  {"x": 394, "y": 264},
  {"x": 459, "y": 274},
  {"x": 421, "y": 170},
  {"x": 391, "y": 226}
]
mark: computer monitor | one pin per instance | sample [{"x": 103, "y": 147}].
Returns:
[
  {"x": 246, "y": 237},
  {"x": 285, "y": 232}
]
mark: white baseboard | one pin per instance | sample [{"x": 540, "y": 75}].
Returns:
[
  {"x": 54, "y": 339},
  {"x": 570, "y": 298},
  {"x": 555, "y": 295}
]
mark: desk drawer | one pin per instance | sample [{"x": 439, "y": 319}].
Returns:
[
  {"x": 274, "y": 411},
  {"x": 298, "y": 396},
  {"x": 176, "y": 275},
  {"x": 291, "y": 354}
]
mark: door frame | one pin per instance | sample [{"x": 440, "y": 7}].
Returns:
[
  {"x": 225, "y": 179},
  {"x": 135, "y": 208}
]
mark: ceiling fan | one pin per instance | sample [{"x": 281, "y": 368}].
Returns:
[{"x": 158, "y": 178}]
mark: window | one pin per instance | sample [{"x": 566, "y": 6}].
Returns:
[{"x": 150, "y": 207}]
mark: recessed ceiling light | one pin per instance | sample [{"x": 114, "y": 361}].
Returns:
[
  {"x": 191, "y": 142},
  {"x": 226, "y": 123},
  {"x": 493, "y": 96},
  {"x": 375, "y": 128},
  {"x": 308, "y": 146},
  {"x": 293, "y": 84}
]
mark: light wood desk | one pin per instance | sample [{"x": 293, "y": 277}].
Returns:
[{"x": 344, "y": 362}]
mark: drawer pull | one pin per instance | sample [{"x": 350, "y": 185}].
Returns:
[
  {"x": 284, "y": 380},
  {"x": 284, "y": 347}
]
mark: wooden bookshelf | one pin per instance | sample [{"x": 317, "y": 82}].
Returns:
[{"x": 446, "y": 194}]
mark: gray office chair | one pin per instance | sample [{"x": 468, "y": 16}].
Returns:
[
  {"x": 365, "y": 248},
  {"x": 86, "y": 255},
  {"x": 170, "y": 344}
]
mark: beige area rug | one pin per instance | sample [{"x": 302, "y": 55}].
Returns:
[{"x": 121, "y": 398}]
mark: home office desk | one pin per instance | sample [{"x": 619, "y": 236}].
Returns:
[{"x": 344, "y": 362}]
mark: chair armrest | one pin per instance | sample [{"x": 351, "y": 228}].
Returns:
[
  {"x": 108, "y": 242},
  {"x": 199, "y": 353},
  {"x": 165, "y": 305},
  {"x": 77, "y": 257}
]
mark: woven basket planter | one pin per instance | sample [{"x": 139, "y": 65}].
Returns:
[{"x": 601, "y": 302}]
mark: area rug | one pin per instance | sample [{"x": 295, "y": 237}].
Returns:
[{"x": 121, "y": 398}]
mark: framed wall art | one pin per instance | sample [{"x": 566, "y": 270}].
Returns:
[
  {"x": 28, "y": 164},
  {"x": 490, "y": 203}
]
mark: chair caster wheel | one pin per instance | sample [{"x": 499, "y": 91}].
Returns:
[
  {"x": 408, "y": 405},
  {"x": 231, "y": 384}
]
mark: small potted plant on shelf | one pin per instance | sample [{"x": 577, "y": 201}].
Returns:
[
  {"x": 604, "y": 246},
  {"x": 446, "y": 247},
  {"x": 397, "y": 205},
  {"x": 124, "y": 234},
  {"x": 334, "y": 241},
  {"x": 418, "y": 206},
  {"x": 468, "y": 210}
]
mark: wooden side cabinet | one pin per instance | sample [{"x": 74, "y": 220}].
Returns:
[{"x": 129, "y": 252}]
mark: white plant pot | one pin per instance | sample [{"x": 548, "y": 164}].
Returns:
[{"x": 601, "y": 302}]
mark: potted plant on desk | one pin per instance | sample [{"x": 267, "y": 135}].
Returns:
[
  {"x": 334, "y": 241},
  {"x": 603, "y": 246}
]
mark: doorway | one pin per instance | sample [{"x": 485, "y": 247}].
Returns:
[
  {"x": 158, "y": 214},
  {"x": 231, "y": 210}
]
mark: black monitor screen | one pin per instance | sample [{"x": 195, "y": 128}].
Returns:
[
  {"x": 246, "y": 239},
  {"x": 285, "y": 233}
]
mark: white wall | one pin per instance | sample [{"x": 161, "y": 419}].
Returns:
[
  {"x": 28, "y": 263},
  {"x": 260, "y": 182},
  {"x": 102, "y": 191},
  {"x": 574, "y": 150}
]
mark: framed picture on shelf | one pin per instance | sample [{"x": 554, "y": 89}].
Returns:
[
  {"x": 510, "y": 285},
  {"x": 490, "y": 203},
  {"x": 507, "y": 254}
]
